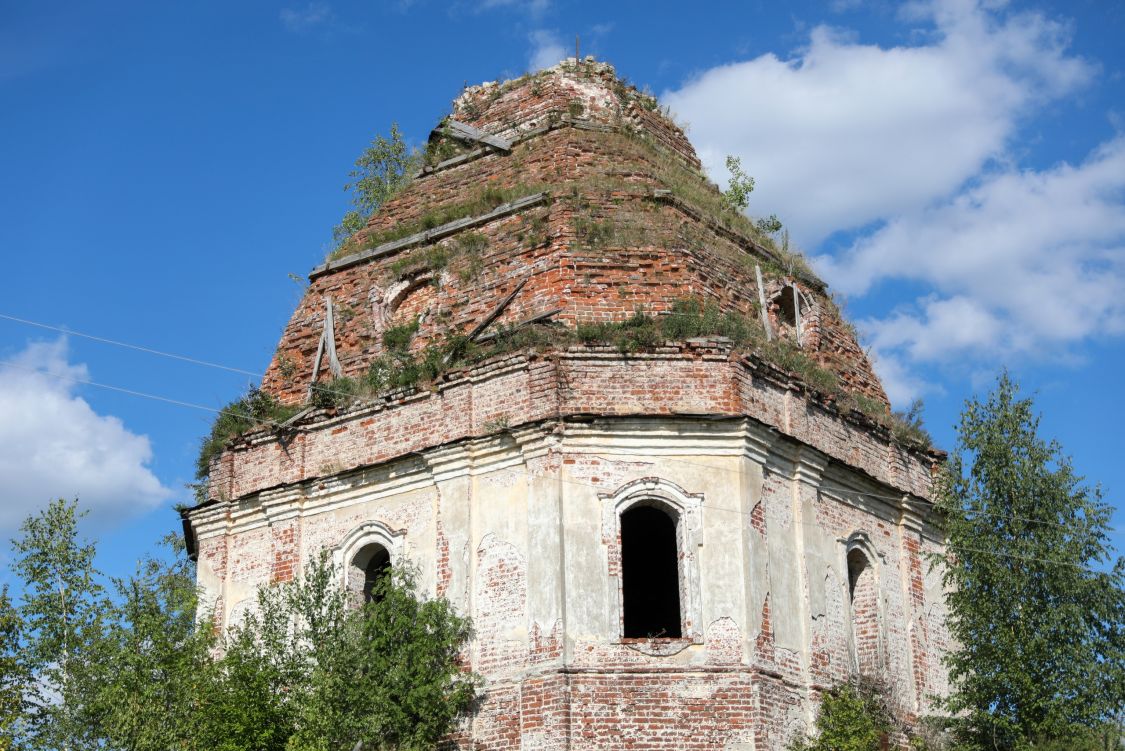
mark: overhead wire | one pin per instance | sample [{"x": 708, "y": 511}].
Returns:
[
  {"x": 127, "y": 345},
  {"x": 180, "y": 403},
  {"x": 153, "y": 351},
  {"x": 141, "y": 394},
  {"x": 265, "y": 421}
]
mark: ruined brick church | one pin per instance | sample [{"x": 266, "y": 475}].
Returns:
[{"x": 664, "y": 542}]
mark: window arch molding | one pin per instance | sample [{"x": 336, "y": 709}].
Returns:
[
  {"x": 365, "y": 535},
  {"x": 859, "y": 547},
  {"x": 685, "y": 509}
]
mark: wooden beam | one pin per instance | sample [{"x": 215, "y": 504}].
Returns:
[
  {"x": 327, "y": 344},
  {"x": 488, "y": 319},
  {"x": 525, "y": 322},
  {"x": 430, "y": 235},
  {"x": 492, "y": 316},
  {"x": 796, "y": 311},
  {"x": 466, "y": 132},
  {"x": 762, "y": 303}
]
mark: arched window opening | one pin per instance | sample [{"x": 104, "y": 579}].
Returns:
[
  {"x": 369, "y": 567},
  {"x": 864, "y": 597},
  {"x": 787, "y": 306},
  {"x": 650, "y": 573}
]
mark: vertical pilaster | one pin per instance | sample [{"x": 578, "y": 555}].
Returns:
[{"x": 914, "y": 599}]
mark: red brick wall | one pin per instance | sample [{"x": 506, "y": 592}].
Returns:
[{"x": 657, "y": 251}]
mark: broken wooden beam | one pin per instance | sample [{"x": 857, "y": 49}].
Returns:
[
  {"x": 525, "y": 322},
  {"x": 466, "y": 132},
  {"x": 488, "y": 319},
  {"x": 762, "y": 302},
  {"x": 428, "y": 236}
]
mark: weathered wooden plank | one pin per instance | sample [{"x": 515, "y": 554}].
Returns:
[
  {"x": 525, "y": 322},
  {"x": 488, "y": 319},
  {"x": 430, "y": 235},
  {"x": 796, "y": 311},
  {"x": 330, "y": 340},
  {"x": 492, "y": 316},
  {"x": 467, "y": 132},
  {"x": 327, "y": 343},
  {"x": 762, "y": 302}
]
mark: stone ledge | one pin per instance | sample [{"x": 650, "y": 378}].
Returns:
[{"x": 703, "y": 379}]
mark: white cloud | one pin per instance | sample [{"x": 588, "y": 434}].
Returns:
[
  {"x": 55, "y": 445},
  {"x": 1025, "y": 263},
  {"x": 534, "y": 8},
  {"x": 844, "y": 134},
  {"x": 915, "y": 148},
  {"x": 302, "y": 19},
  {"x": 901, "y": 383},
  {"x": 546, "y": 50}
]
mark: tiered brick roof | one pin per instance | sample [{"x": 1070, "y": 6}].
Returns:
[{"x": 596, "y": 209}]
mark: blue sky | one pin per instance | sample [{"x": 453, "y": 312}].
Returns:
[{"x": 956, "y": 170}]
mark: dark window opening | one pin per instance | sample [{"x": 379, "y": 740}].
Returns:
[
  {"x": 787, "y": 306},
  {"x": 369, "y": 567},
  {"x": 650, "y": 574},
  {"x": 857, "y": 564},
  {"x": 864, "y": 595}
]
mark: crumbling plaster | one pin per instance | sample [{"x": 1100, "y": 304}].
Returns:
[{"x": 530, "y": 520}]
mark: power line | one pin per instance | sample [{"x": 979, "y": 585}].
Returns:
[
  {"x": 152, "y": 351},
  {"x": 126, "y": 345},
  {"x": 141, "y": 394},
  {"x": 180, "y": 403},
  {"x": 327, "y": 390}
]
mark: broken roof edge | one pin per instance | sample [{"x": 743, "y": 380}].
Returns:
[{"x": 715, "y": 348}]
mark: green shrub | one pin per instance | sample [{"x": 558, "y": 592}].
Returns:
[
  {"x": 254, "y": 409},
  {"x": 850, "y": 718},
  {"x": 737, "y": 195},
  {"x": 907, "y": 425},
  {"x": 397, "y": 338}
]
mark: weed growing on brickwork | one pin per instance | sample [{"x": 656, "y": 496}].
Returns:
[
  {"x": 286, "y": 367},
  {"x": 381, "y": 171},
  {"x": 482, "y": 202},
  {"x": 397, "y": 338},
  {"x": 694, "y": 189},
  {"x": 772, "y": 225},
  {"x": 639, "y": 331},
  {"x": 594, "y": 233},
  {"x": 534, "y": 229},
  {"x": 496, "y": 424},
  {"x": 907, "y": 425},
  {"x": 400, "y": 369},
  {"x": 441, "y": 148},
  {"x": 693, "y": 318},
  {"x": 540, "y": 337},
  {"x": 253, "y": 410},
  {"x": 471, "y": 247}
]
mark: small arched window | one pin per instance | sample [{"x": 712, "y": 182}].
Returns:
[
  {"x": 787, "y": 303},
  {"x": 650, "y": 573},
  {"x": 863, "y": 592},
  {"x": 368, "y": 567}
]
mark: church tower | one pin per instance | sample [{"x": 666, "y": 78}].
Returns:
[{"x": 615, "y": 422}]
